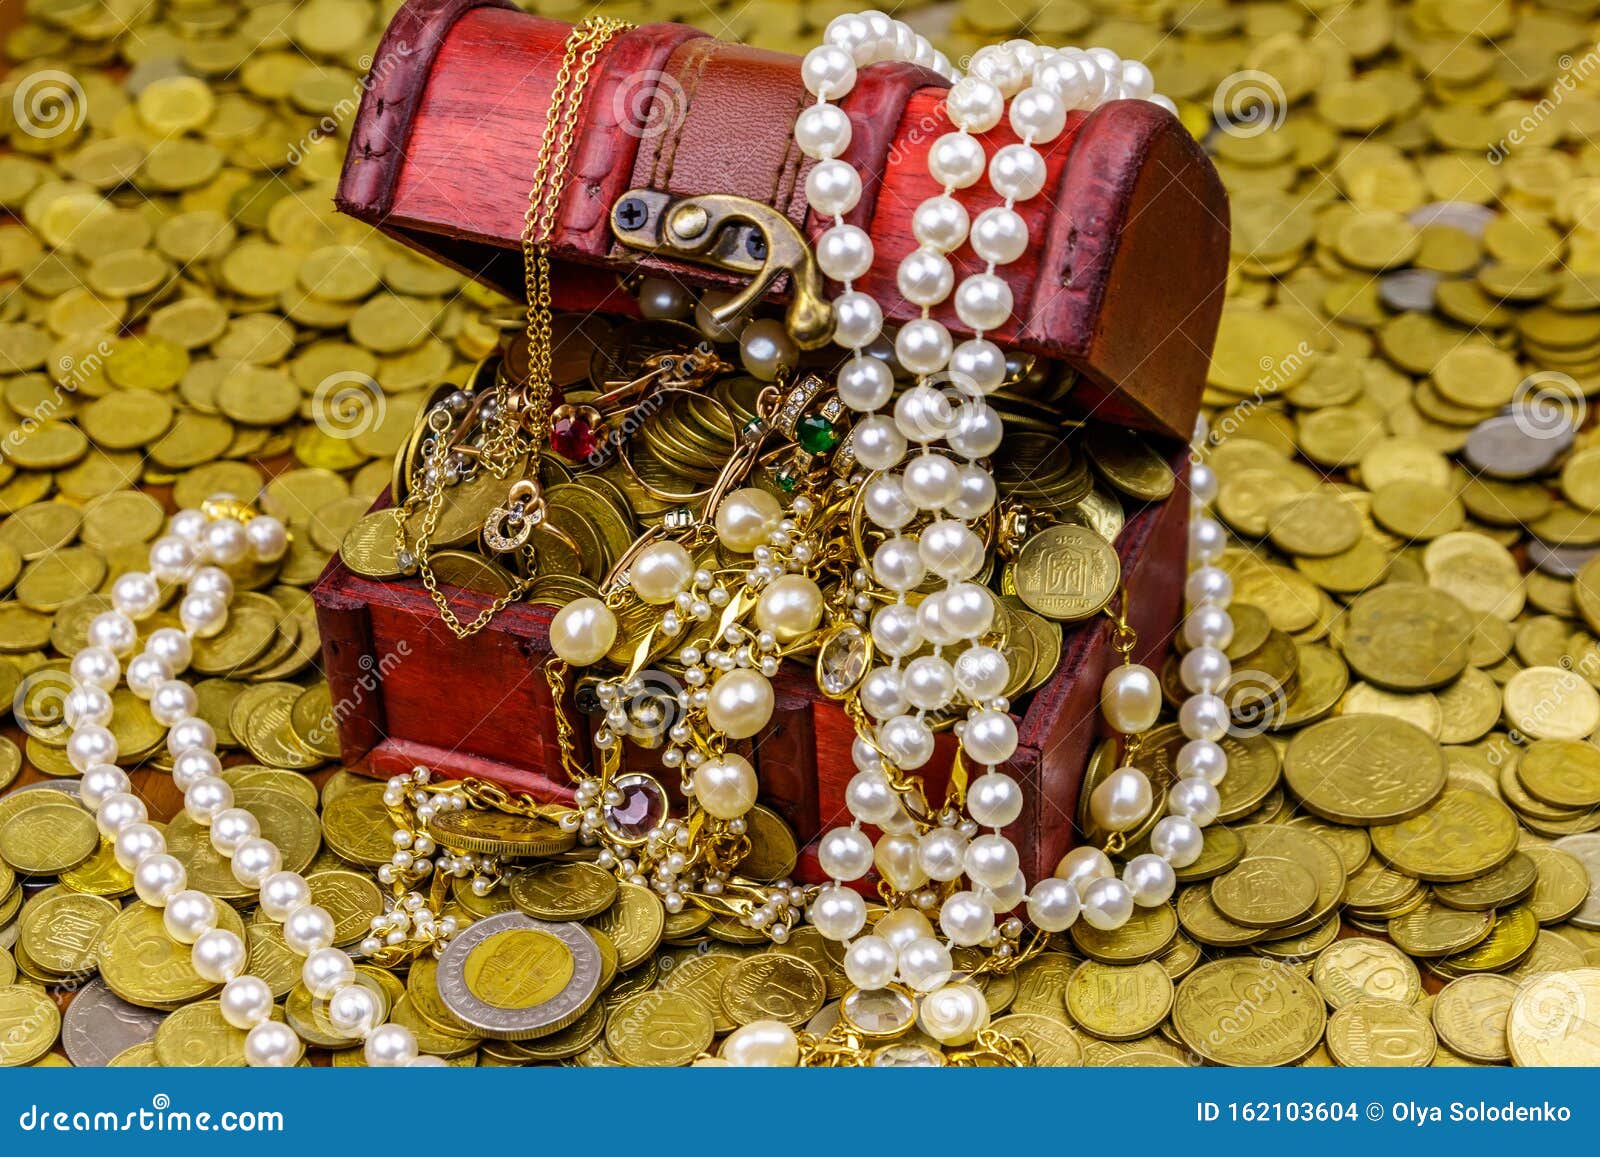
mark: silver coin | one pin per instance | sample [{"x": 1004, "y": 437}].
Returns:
[
  {"x": 1560, "y": 561},
  {"x": 99, "y": 1025},
  {"x": 1462, "y": 215},
  {"x": 1510, "y": 446},
  {"x": 1410, "y": 290},
  {"x": 1587, "y": 849},
  {"x": 65, "y": 786},
  {"x": 520, "y": 1023}
]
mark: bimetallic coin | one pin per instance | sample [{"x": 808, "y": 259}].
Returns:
[{"x": 517, "y": 978}]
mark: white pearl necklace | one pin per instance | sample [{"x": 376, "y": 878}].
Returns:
[
  {"x": 1042, "y": 86},
  {"x": 195, "y": 549}
]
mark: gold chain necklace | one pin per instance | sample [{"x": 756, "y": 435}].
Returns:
[{"x": 521, "y": 421}]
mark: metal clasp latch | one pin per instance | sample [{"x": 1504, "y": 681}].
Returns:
[{"x": 738, "y": 235}]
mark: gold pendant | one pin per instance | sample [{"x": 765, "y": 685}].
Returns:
[{"x": 509, "y": 525}]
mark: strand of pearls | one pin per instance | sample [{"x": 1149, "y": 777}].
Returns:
[
  {"x": 1042, "y": 85},
  {"x": 195, "y": 550}
]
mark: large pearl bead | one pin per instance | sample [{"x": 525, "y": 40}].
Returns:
[
  {"x": 929, "y": 682},
  {"x": 994, "y": 800},
  {"x": 941, "y": 853},
  {"x": 1107, "y": 903},
  {"x": 857, "y": 322},
  {"x": 956, "y": 160},
  {"x": 790, "y": 607},
  {"x": 1130, "y": 698},
  {"x": 903, "y": 925},
  {"x": 218, "y": 955},
  {"x": 870, "y": 962},
  {"x": 898, "y": 863},
  {"x": 838, "y": 913},
  {"x": 940, "y": 223},
  {"x": 954, "y": 1014},
  {"x": 660, "y": 572},
  {"x": 907, "y": 741},
  {"x": 746, "y": 518},
  {"x": 1082, "y": 865},
  {"x": 1017, "y": 172},
  {"x": 982, "y": 673},
  {"x": 966, "y": 919},
  {"x": 845, "y": 854},
  {"x": 1122, "y": 800},
  {"x": 1150, "y": 880},
  {"x": 740, "y": 704},
  {"x": 991, "y": 861},
  {"x": 390, "y": 1045},
  {"x": 268, "y": 538},
  {"x": 762, "y": 1044},
  {"x": 766, "y": 349},
  {"x": 833, "y": 188},
  {"x": 1178, "y": 840},
  {"x": 270, "y": 1045},
  {"x": 925, "y": 964},
  {"x": 999, "y": 234},
  {"x": 726, "y": 786},
  {"x": 1053, "y": 905},
  {"x": 1195, "y": 798},
  {"x": 246, "y": 1002},
  {"x": 990, "y": 737},
  {"x": 583, "y": 631}
]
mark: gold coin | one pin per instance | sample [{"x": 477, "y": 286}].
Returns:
[
  {"x": 1361, "y": 968},
  {"x": 351, "y": 899},
  {"x": 357, "y": 828},
  {"x": 1148, "y": 933},
  {"x": 1042, "y": 983},
  {"x": 518, "y": 968},
  {"x": 1435, "y": 930},
  {"x": 500, "y": 833},
  {"x": 1119, "y": 1003},
  {"x": 773, "y": 986},
  {"x": 633, "y": 923},
  {"x": 1508, "y": 884},
  {"x": 1562, "y": 887},
  {"x": 1562, "y": 773},
  {"x": 1471, "y": 1016},
  {"x": 1463, "y": 834},
  {"x": 1406, "y": 637},
  {"x": 45, "y": 841},
  {"x": 564, "y": 891},
  {"x": 29, "y": 1024},
  {"x": 1265, "y": 892},
  {"x": 1052, "y": 1041},
  {"x": 1381, "y": 1033},
  {"x": 1513, "y": 936},
  {"x": 61, "y": 931},
  {"x": 1248, "y": 1011},
  {"x": 773, "y": 850},
  {"x": 1551, "y": 703},
  {"x": 1364, "y": 769},
  {"x": 144, "y": 965},
  {"x": 1067, "y": 572},
  {"x": 701, "y": 977},
  {"x": 658, "y": 1029},
  {"x": 1554, "y": 1020}
]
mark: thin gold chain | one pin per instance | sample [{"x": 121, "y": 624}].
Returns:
[{"x": 505, "y": 442}]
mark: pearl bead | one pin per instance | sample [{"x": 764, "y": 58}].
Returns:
[
  {"x": 762, "y": 1044},
  {"x": 1107, "y": 903},
  {"x": 157, "y": 878},
  {"x": 882, "y": 693},
  {"x": 137, "y": 841},
  {"x": 1038, "y": 115},
  {"x": 716, "y": 330},
  {"x": 746, "y": 519},
  {"x": 1053, "y": 905},
  {"x": 837, "y": 912},
  {"x": 1178, "y": 840},
  {"x": 740, "y": 704},
  {"x": 100, "y": 782},
  {"x": 966, "y": 919},
  {"x": 282, "y": 893},
  {"x": 790, "y": 607},
  {"x": 870, "y": 962},
  {"x": 117, "y": 811},
  {"x": 172, "y": 558},
  {"x": 925, "y": 277},
  {"x": 766, "y": 349},
  {"x": 232, "y": 827},
  {"x": 923, "y": 346},
  {"x": 978, "y": 366},
  {"x": 906, "y": 740},
  {"x": 114, "y": 631},
  {"x": 991, "y": 860},
  {"x": 879, "y": 445},
  {"x": 870, "y": 797},
  {"x": 246, "y": 1002},
  {"x": 271, "y": 1045},
  {"x": 660, "y": 571},
  {"x": 983, "y": 301},
  {"x": 901, "y": 926},
  {"x": 1122, "y": 800},
  {"x": 1062, "y": 76},
  {"x": 951, "y": 549},
  {"x": 929, "y": 683},
  {"x": 583, "y": 631},
  {"x": 1138, "y": 83},
  {"x": 978, "y": 430},
  {"x": 822, "y": 131},
  {"x": 1196, "y": 799},
  {"x": 828, "y": 72},
  {"x": 954, "y": 1014},
  {"x": 845, "y": 854},
  {"x": 897, "y": 564},
  {"x": 189, "y": 914},
  {"x": 87, "y": 705},
  {"x": 974, "y": 104},
  {"x": 982, "y": 673},
  {"x": 146, "y": 672},
  {"x": 1000, "y": 235},
  {"x": 1081, "y": 865},
  {"x": 194, "y": 765},
  {"x": 857, "y": 322},
  {"x": 172, "y": 699},
  {"x": 224, "y": 541},
  {"x": 885, "y": 502},
  {"x": 897, "y": 630},
  {"x": 218, "y": 955},
  {"x": 267, "y": 537},
  {"x": 192, "y": 734},
  {"x": 940, "y": 223},
  {"x": 1130, "y": 698},
  {"x": 189, "y": 523},
  {"x": 326, "y": 970},
  {"x": 1208, "y": 585},
  {"x": 1203, "y": 758},
  {"x": 1208, "y": 626},
  {"x": 1150, "y": 880},
  {"x": 389, "y": 1046},
  {"x": 956, "y": 160},
  {"x": 726, "y": 786},
  {"x": 844, "y": 252},
  {"x": 254, "y": 860},
  {"x": 1204, "y": 717},
  {"x": 925, "y": 964},
  {"x": 203, "y": 614},
  {"x": 941, "y": 853},
  {"x": 897, "y": 862},
  {"x": 660, "y": 298},
  {"x": 995, "y": 800},
  {"x": 353, "y": 1009},
  {"x": 135, "y": 594},
  {"x": 1017, "y": 172},
  {"x": 170, "y": 645},
  {"x": 96, "y": 667},
  {"x": 91, "y": 744},
  {"x": 308, "y": 928},
  {"x": 833, "y": 188}
]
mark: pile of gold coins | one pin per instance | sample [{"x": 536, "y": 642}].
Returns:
[{"x": 1406, "y": 867}]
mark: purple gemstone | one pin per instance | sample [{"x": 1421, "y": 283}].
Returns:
[{"x": 643, "y": 808}]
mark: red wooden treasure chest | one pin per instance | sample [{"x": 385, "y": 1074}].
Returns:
[{"x": 1125, "y": 286}]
